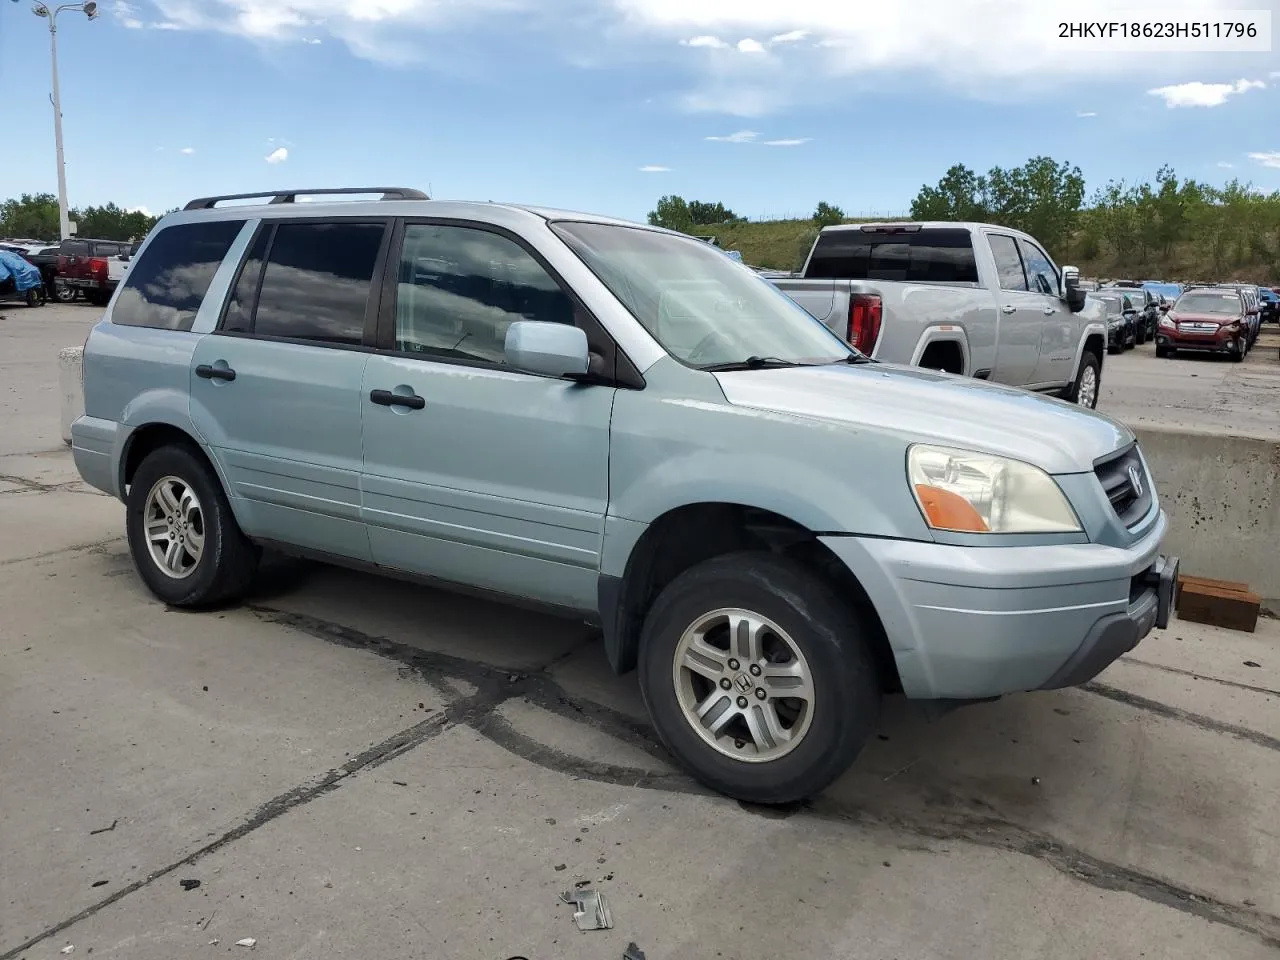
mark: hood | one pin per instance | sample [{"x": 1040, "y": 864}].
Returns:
[
  {"x": 1190, "y": 316},
  {"x": 928, "y": 407}
]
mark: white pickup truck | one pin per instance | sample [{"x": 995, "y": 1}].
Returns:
[{"x": 967, "y": 298}]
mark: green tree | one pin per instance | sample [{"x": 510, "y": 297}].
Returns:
[
  {"x": 672, "y": 212},
  {"x": 959, "y": 195},
  {"x": 710, "y": 214},
  {"x": 110, "y": 222},
  {"x": 32, "y": 215},
  {"x": 827, "y": 215}
]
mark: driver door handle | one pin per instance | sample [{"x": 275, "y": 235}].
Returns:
[
  {"x": 206, "y": 372},
  {"x": 385, "y": 398},
  {"x": 1008, "y": 308}
]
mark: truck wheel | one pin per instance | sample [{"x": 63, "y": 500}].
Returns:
[
  {"x": 758, "y": 677},
  {"x": 185, "y": 542},
  {"x": 64, "y": 294},
  {"x": 1161, "y": 350},
  {"x": 1085, "y": 390},
  {"x": 97, "y": 298}
]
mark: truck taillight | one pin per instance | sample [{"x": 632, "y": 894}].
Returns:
[
  {"x": 98, "y": 267},
  {"x": 865, "y": 312}
]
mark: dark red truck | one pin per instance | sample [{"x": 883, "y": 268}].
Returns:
[{"x": 83, "y": 268}]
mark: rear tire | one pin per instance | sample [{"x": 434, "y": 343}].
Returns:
[
  {"x": 186, "y": 544},
  {"x": 1161, "y": 350},
  {"x": 793, "y": 634}
]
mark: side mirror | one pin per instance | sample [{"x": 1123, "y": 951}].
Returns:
[
  {"x": 1164, "y": 307},
  {"x": 1071, "y": 291},
  {"x": 551, "y": 349}
]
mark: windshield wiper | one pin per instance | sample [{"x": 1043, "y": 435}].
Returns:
[
  {"x": 753, "y": 363},
  {"x": 857, "y": 358}
]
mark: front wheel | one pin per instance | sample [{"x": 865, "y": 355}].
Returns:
[
  {"x": 758, "y": 677},
  {"x": 185, "y": 542},
  {"x": 1241, "y": 346},
  {"x": 1084, "y": 391}
]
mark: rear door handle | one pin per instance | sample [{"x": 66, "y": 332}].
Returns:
[
  {"x": 385, "y": 398},
  {"x": 206, "y": 372},
  {"x": 1008, "y": 308}
]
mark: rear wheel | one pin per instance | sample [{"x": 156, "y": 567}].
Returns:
[
  {"x": 98, "y": 298},
  {"x": 758, "y": 677},
  {"x": 1162, "y": 350},
  {"x": 63, "y": 293},
  {"x": 185, "y": 542}
]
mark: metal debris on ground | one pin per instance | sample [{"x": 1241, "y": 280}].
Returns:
[
  {"x": 94, "y": 833},
  {"x": 1252, "y": 663},
  {"x": 591, "y": 910},
  {"x": 69, "y": 948},
  {"x": 189, "y": 885},
  {"x": 633, "y": 952},
  {"x": 247, "y": 942}
]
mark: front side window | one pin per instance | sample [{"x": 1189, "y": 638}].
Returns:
[
  {"x": 166, "y": 285},
  {"x": 316, "y": 281},
  {"x": 1041, "y": 275},
  {"x": 702, "y": 307},
  {"x": 1008, "y": 262},
  {"x": 459, "y": 289}
]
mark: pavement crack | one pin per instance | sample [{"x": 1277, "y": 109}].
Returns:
[
  {"x": 1201, "y": 676},
  {"x": 1182, "y": 716}
]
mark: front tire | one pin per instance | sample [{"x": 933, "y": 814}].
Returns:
[
  {"x": 1084, "y": 391},
  {"x": 185, "y": 542},
  {"x": 758, "y": 677}
]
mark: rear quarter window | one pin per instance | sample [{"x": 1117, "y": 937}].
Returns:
[
  {"x": 166, "y": 285},
  {"x": 937, "y": 256}
]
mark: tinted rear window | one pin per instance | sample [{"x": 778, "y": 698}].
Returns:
[
  {"x": 167, "y": 284},
  {"x": 940, "y": 256},
  {"x": 74, "y": 248}
]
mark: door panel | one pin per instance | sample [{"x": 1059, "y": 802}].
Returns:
[
  {"x": 1059, "y": 327},
  {"x": 277, "y": 393},
  {"x": 1021, "y": 315},
  {"x": 286, "y": 431},
  {"x": 500, "y": 481}
]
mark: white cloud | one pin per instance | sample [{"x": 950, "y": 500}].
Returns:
[
  {"x": 187, "y": 151},
  {"x": 790, "y": 36},
  {"x": 142, "y": 210},
  {"x": 1085, "y": 113},
  {"x": 1274, "y": 74},
  {"x": 793, "y": 142},
  {"x": 1198, "y": 94},
  {"x": 1269, "y": 159},
  {"x": 127, "y": 14},
  {"x": 747, "y": 45},
  {"x": 1226, "y": 166},
  {"x": 278, "y": 155},
  {"x": 742, "y": 136},
  {"x": 711, "y": 43},
  {"x": 167, "y": 25},
  {"x": 314, "y": 41},
  {"x": 654, "y": 168}
]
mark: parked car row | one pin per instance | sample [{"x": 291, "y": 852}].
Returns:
[
  {"x": 1220, "y": 319},
  {"x": 74, "y": 268}
]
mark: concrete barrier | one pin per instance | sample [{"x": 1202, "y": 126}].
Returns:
[
  {"x": 1222, "y": 494},
  {"x": 71, "y": 387}
]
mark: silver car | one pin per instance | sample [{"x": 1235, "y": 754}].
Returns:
[{"x": 619, "y": 423}]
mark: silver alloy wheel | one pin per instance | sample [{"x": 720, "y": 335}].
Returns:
[
  {"x": 173, "y": 524},
  {"x": 1088, "y": 394},
  {"x": 743, "y": 685}
]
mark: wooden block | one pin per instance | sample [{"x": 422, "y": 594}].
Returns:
[
  {"x": 1229, "y": 585},
  {"x": 1233, "y": 609}
]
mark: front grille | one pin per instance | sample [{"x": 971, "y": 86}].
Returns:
[{"x": 1126, "y": 483}]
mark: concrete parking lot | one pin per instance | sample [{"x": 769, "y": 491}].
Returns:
[{"x": 355, "y": 767}]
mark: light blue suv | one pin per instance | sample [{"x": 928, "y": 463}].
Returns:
[{"x": 622, "y": 423}]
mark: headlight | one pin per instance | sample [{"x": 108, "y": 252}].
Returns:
[
  {"x": 979, "y": 493},
  {"x": 1116, "y": 321}
]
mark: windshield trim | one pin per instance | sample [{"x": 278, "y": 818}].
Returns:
[{"x": 677, "y": 237}]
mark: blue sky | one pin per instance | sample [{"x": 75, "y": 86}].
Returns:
[{"x": 765, "y": 105}]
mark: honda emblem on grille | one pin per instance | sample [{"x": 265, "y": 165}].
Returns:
[{"x": 1135, "y": 479}]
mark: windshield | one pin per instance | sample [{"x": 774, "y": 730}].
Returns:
[
  {"x": 1227, "y": 304},
  {"x": 702, "y": 307},
  {"x": 1115, "y": 304},
  {"x": 1170, "y": 290}
]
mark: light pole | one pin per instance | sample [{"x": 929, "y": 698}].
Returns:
[{"x": 90, "y": 10}]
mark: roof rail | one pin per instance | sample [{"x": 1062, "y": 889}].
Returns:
[{"x": 388, "y": 193}]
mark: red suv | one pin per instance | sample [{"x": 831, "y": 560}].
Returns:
[
  {"x": 1212, "y": 320},
  {"x": 82, "y": 267}
]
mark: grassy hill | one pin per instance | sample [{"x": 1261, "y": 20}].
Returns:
[{"x": 783, "y": 244}]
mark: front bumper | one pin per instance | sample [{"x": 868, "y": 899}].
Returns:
[{"x": 977, "y": 622}]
